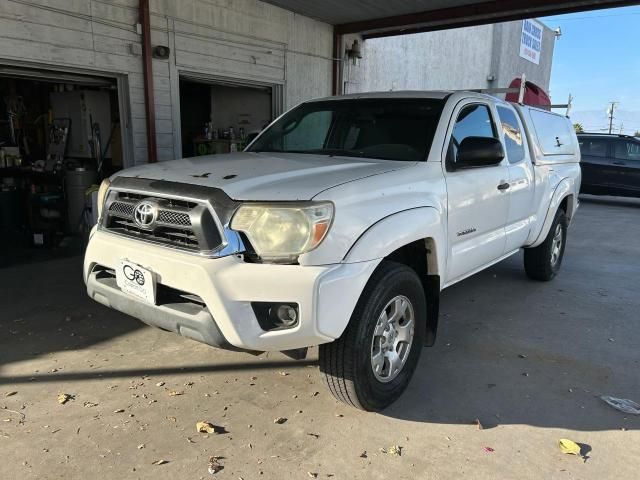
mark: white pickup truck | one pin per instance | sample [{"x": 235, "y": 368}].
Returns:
[{"x": 338, "y": 226}]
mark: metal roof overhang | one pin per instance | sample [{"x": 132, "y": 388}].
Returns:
[{"x": 381, "y": 18}]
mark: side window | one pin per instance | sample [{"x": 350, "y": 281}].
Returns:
[
  {"x": 512, "y": 134},
  {"x": 473, "y": 121},
  {"x": 554, "y": 132},
  {"x": 595, "y": 147},
  {"x": 625, "y": 150}
]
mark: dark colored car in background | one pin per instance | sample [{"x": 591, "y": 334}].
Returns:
[{"x": 610, "y": 164}]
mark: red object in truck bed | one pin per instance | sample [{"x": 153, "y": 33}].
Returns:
[{"x": 533, "y": 94}]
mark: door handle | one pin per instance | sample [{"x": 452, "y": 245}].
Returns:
[{"x": 503, "y": 186}]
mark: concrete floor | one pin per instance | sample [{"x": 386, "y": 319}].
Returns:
[{"x": 579, "y": 337}]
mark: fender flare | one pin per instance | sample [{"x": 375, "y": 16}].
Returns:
[
  {"x": 382, "y": 239},
  {"x": 563, "y": 190}
]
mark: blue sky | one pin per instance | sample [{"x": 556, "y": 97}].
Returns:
[{"x": 597, "y": 60}]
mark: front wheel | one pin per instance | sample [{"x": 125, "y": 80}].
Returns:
[
  {"x": 543, "y": 262},
  {"x": 371, "y": 364}
]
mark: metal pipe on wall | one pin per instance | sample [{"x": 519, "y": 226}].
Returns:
[
  {"x": 147, "y": 67},
  {"x": 336, "y": 63}
]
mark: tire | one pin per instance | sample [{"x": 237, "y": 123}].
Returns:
[
  {"x": 543, "y": 262},
  {"x": 347, "y": 363}
]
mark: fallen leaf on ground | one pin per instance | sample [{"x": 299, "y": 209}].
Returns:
[
  {"x": 120, "y": 410},
  {"x": 214, "y": 465},
  {"x": 160, "y": 384},
  {"x": 172, "y": 419},
  {"x": 160, "y": 462},
  {"x": 90, "y": 404},
  {"x": 395, "y": 450},
  {"x": 312, "y": 474},
  {"x": 175, "y": 393},
  {"x": 279, "y": 420},
  {"x": 141, "y": 446},
  {"x": 314, "y": 435},
  {"x": 205, "y": 427},
  {"x": 64, "y": 398},
  {"x": 10, "y": 394},
  {"x": 569, "y": 447},
  {"x": 478, "y": 424},
  {"x": 489, "y": 449},
  {"x": 363, "y": 454},
  {"x": 284, "y": 374},
  {"x": 622, "y": 404}
]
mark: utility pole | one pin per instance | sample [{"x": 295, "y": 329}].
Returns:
[{"x": 612, "y": 109}]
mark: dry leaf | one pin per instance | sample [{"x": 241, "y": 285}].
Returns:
[
  {"x": 160, "y": 384},
  {"x": 569, "y": 447},
  {"x": 10, "y": 394},
  {"x": 90, "y": 404},
  {"x": 205, "y": 427},
  {"x": 64, "y": 398},
  {"x": 141, "y": 446},
  {"x": 312, "y": 474},
  {"x": 120, "y": 410},
  {"x": 279, "y": 420},
  {"x": 214, "y": 465},
  {"x": 395, "y": 450},
  {"x": 175, "y": 393},
  {"x": 160, "y": 462}
]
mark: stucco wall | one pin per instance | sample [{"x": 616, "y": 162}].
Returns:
[
  {"x": 245, "y": 39},
  {"x": 449, "y": 59}
]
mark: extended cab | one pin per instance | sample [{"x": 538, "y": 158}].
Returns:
[{"x": 339, "y": 226}]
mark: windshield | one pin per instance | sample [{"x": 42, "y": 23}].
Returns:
[{"x": 389, "y": 129}]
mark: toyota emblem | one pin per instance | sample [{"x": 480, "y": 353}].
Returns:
[{"x": 145, "y": 214}]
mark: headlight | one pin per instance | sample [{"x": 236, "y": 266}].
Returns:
[
  {"x": 282, "y": 232},
  {"x": 102, "y": 194}
]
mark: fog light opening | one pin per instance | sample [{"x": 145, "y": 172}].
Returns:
[
  {"x": 287, "y": 315},
  {"x": 276, "y": 316}
]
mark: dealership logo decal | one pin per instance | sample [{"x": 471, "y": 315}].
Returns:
[
  {"x": 133, "y": 274},
  {"x": 145, "y": 214}
]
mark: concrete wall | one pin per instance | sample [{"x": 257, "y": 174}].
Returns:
[
  {"x": 448, "y": 59},
  {"x": 239, "y": 39},
  {"x": 508, "y": 64}
]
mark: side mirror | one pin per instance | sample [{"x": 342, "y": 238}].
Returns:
[{"x": 479, "y": 152}]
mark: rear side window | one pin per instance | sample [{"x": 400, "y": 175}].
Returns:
[
  {"x": 512, "y": 134},
  {"x": 554, "y": 133},
  {"x": 626, "y": 150},
  {"x": 594, "y": 147}
]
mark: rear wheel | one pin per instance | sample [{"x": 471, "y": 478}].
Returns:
[
  {"x": 371, "y": 364},
  {"x": 543, "y": 262}
]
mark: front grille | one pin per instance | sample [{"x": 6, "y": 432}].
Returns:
[
  {"x": 182, "y": 224},
  {"x": 174, "y": 218},
  {"x": 121, "y": 209}
]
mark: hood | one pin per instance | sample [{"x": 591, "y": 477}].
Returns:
[{"x": 266, "y": 176}]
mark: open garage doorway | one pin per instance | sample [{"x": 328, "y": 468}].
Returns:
[
  {"x": 61, "y": 133},
  {"x": 219, "y": 117}
]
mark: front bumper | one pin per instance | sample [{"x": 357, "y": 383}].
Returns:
[{"x": 326, "y": 294}]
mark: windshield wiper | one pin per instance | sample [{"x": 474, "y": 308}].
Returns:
[{"x": 336, "y": 152}]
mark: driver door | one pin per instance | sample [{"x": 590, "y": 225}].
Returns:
[{"x": 477, "y": 198}]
